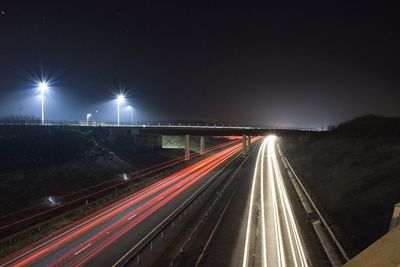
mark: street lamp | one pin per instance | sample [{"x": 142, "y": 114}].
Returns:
[
  {"x": 120, "y": 99},
  {"x": 87, "y": 118},
  {"x": 97, "y": 118},
  {"x": 131, "y": 109},
  {"x": 43, "y": 87}
]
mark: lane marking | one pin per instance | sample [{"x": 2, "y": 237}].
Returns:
[
  {"x": 223, "y": 212},
  {"x": 82, "y": 249},
  {"x": 130, "y": 218},
  {"x": 214, "y": 230}
]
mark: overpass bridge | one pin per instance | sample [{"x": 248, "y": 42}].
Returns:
[
  {"x": 150, "y": 135},
  {"x": 175, "y": 128}
]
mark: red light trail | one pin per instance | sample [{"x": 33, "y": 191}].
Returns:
[
  {"x": 83, "y": 240},
  {"x": 114, "y": 183}
]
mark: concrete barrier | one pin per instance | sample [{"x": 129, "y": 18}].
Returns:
[{"x": 395, "y": 217}]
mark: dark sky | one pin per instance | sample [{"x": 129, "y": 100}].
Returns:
[{"x": 296, "y": 63}]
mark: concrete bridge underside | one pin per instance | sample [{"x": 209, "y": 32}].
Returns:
[{"x": 142, "y": 138}]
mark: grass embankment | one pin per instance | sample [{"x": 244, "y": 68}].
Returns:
[
  {"x": 39, "y": 162},
  {"x": 353, "y": 173}
]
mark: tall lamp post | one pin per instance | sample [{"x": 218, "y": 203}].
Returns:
[
  {"x": 120, "y": 99},
  {"x": 131, "y": 109},
  {"x": 43, "y": 87},
  {"x": 87, "y": 118}
]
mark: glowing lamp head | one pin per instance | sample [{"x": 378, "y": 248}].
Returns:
[
  {"x": 129, "y": 107},
  {"x": 88, "y": 115},
  {"x": 43, "y": 87},
  {"x": 120, "y": 98}
]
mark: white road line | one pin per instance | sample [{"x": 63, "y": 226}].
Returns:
[
  {"x": 133, "y": 216},
  {"x": 223, "y": 212},
  {"x": 79, "y": 251},
  {"x": 213, "y": 231}
]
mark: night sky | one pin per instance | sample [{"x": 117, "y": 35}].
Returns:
[{"x": 268, "y": 63}]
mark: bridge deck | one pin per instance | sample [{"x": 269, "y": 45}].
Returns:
[
  {"x": 199, "y": 130},
  {"x": 384, "y": 252}
]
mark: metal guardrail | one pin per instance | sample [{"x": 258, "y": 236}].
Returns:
[
  {"x": 155, "y": 125},
  {"x": 324, "y": 222}
]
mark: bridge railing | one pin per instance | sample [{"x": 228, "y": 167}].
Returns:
[{"x": 199, "y": 125}]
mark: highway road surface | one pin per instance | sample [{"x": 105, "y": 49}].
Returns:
[
  {"x": 280, "y": 241},
  {"x": 261, "y": 222},
  {"x": 104, "y": 237}
]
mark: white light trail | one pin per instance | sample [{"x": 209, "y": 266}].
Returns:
[
  {"x": 250, "y": 214},
  {"x": 292, "y": 224},
  {"x": 281, "y": 246},
  {"x": 263, "y": 234},
  {"x": 277, "y": 224}
]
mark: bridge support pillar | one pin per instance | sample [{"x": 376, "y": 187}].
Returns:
[
  {"x": 187, "y": 147},
  {"x": 202, "y": 144},
  {"x": 395, "y": 217},
  {"x": 244, "y": 147},
  {"x": 248, "y": 142}
]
